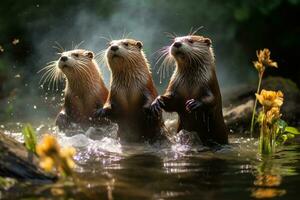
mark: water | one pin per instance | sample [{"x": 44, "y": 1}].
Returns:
[{"x": 186, "y": 170}]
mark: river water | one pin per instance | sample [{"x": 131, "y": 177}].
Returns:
[{"x": 183, "y": 170}]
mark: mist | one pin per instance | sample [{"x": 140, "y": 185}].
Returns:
[{"x": 147, "y": 21}]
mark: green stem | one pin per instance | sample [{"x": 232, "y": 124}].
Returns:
[
  {"x": 267, "y": 137},
  {"x": 255, "y": 104}
]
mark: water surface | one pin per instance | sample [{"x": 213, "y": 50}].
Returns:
[{"x": 108, "y": 170}]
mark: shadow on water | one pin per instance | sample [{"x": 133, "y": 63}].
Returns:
[{"x": 107, "y": 170}]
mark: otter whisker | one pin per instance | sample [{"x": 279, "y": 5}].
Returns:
[
  {"x": 165, "y": 67},
  {"x": 105, "y": 38},
  {"x": 163, "y": 53},
  {"x": 50, "y": 81},
  {"x": 59, "y": 47},
  {"x": 170, "y": 35},
  {"x": 48, "y": 71},
  {"x": 83, "y": 71},
  {"x": 101, "y": 57},
  {"x": 78, "y": 45},
  {"x": 46, "y": 68},
  {"x": 196, "y": 30},
  {"x": 46, "y": 77}
]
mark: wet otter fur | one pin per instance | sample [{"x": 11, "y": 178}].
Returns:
[
  {"x": 85, "y": 90},
  {"x": 131, "y": 92},
  {"x": 193, "y": 91}
]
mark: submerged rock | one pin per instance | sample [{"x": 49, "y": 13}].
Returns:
[{"x": 17, "y": 162}]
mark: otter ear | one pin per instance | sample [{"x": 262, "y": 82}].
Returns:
[
  {"x": 207, "y": 41},
  {"x": 89, "y": 54},
  {"x": 139, "y": 44}
]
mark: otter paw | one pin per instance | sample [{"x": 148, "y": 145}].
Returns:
[
  {"x": 156, "y": 106},
  {"x": 151, "y": 116},
  {"x": 62, "y": 121},
  {"x": 192, "y": 105},
  {"x": 102, "y": 112}
]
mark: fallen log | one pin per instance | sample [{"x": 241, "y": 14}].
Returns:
[{"x": 16, "y": 162}]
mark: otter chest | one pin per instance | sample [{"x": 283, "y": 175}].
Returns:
[
  {"x": 128, "y": 98},
  {"x": 81, "y": 107},
  {"x": 189, "y": 90}
]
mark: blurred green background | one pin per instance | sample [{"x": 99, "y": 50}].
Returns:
[{"x": 30, "y": 28}]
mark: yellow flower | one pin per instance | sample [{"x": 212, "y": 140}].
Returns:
[
  {"x": 273, "y": 114},
  {"x": 263, "y": 61},
  {"x": 67, "y": 154},
  {"x": 259, "y": 66},
  {"x": 264, "y": 58},
  {"x": 47, "y": 164},
  {"x": 48, "y": 146},
  {"x": 52, "y": 156},
  {"x": 269, "y": 99},
  {"x": 268, "y": 180},
  {"x": 264, "y": 193}
]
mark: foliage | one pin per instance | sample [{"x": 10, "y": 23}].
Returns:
[
  {"x": 6, "y": 183},
  {"x": 29, "y": 138}
]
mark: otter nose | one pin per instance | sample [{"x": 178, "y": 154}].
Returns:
[
  {"x": 177, "y": 44},
  {"x": 114, "y": 48},
  {"x": 64, "y": 58}
]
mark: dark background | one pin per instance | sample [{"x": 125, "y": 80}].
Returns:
[{"x": 29, "y": 29}]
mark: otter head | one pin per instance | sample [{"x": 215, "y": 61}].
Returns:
[
  {"x": 191, "y": 49},
  {"x": 75, "y": 61},
  {"x": 125, "y": 52}
]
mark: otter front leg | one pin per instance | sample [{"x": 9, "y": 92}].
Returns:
[
  {"x": 62, "y": 121},
  {"x": 151, "y": 115},
  {"x": 204, "y": 102},
  {"x": 166, "y": 102}
]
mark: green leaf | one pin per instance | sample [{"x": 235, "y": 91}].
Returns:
[
  {"x": 282, "y": 124},
  {"x": 260, "y": 117},
  {"x": 292, "y": 130},
  {"x": 29, "y": 137},
  {"x": 290, "y": 135},
  {"x": 284, "y": 138}
]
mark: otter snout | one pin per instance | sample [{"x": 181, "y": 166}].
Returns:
[
  {"x": 64, "y": 58},
  {"x": 177, "y": 44},
  {"x": 114, "y": 48}
]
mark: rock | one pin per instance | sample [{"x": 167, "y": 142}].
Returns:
[
  {"x": 237, "y": 117},
  {"x": 17, "y": 162}
]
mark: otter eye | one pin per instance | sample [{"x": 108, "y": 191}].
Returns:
[
  {"x": 190, "y": 41},
  {"x": 76, "y": 55},
  {"x": 126, "y": 44}
]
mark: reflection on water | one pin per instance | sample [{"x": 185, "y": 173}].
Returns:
[
  {"x": 270, "y": 172},
  {"x": 184, "y": 170}
]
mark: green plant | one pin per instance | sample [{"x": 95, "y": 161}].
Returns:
[{"x": 29, "y": 137}]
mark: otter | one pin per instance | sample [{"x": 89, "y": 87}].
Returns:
[
  {"x": 131, "y": 92},
  {"x": 85, "y": 90},
  {"x": 193, "y": 91}
]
